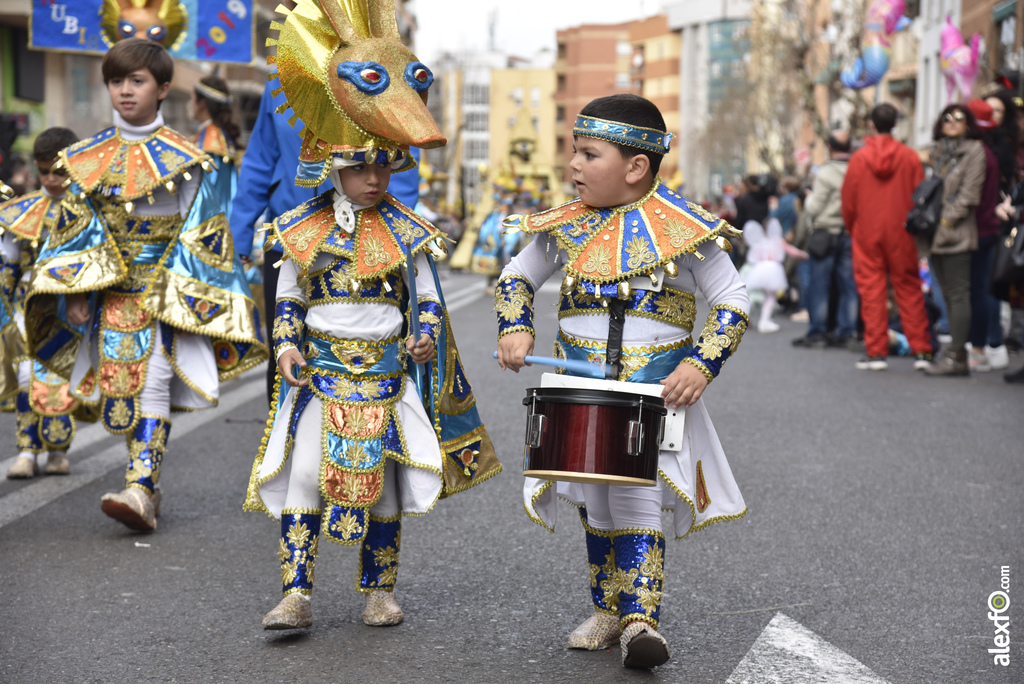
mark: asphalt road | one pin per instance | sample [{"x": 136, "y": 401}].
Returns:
[{"x": 882, "y": 507}]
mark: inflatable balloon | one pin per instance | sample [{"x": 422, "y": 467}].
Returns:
[
  {"x": 884, "y": 18},
  {"x": 958, "y": 61}
]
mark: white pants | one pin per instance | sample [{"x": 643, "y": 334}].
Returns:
[
  {"x": 155, "y": 398},
  {"x": 614, "y": 507}
]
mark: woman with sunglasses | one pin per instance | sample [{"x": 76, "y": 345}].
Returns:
[{"x": 959, "y": 158}]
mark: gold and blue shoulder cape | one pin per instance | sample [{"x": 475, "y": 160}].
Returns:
[
  {"x": 181, "y": 271},
  {"x": 225, "y": 158},
  {"x": 24, "y": 219},
  {"x": 613, "y": 244},
  {"x": 373, "y": 255},
  {"x": 608, "y": 247}
]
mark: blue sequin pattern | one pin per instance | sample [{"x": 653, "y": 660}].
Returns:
[
  {"x": 378, "y": 556},
  {"x": 601, "y": 557},
  {"x": 146, "y": 447},
  {"x": 300, "y": 539},
  {"x": 639, "y": 575},
  {"x": 513, "y": 300},
  {"x": 721, "y": 337},
  {"x": 289, "y": 321}
]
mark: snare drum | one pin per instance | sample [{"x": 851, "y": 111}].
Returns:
[{"x": 593, "y": 436}]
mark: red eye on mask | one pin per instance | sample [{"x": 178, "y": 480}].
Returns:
[{"x": 370, "y": 75}]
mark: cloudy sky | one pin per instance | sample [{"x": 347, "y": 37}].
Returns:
[{"x": 522, "y": 27}]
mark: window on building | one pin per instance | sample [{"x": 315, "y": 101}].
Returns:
[
  {"x": 561, "y": 51},
  {"x": 559, "y": 113},
  {"x": 624, "y": 48},
  {"x": 623, "y": 81},
  {"x": 560, "y": 83},
  {"x": 535, "y": 96},
  {"x": 517, "y": 96},
  {"x": 536, "y": 123}
]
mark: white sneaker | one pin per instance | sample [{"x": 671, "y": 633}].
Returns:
[
  {"x": 978, "y": 361},
  {"x": 998, "y": 357},
  {"x": 767, "y": 327},
  {"x": 945, "y": 338},
  {"x": 873, "y": 363}
]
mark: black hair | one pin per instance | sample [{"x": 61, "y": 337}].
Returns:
[
  {"x": 633, "y": 110},
  {"x": 50, "y": 142},
  {"x": 837, "y": 145},
  {"x": 884, "y": 117},
  {"x": 973, "y": 130}
]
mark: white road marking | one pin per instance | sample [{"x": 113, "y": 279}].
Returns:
[
  {"x": 46, "y": 489},
  {"x": 786, "y": 652},
  {"x": 464, "y": 297}
]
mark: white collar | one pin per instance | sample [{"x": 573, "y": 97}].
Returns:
[{"x": 130, "y": 132}]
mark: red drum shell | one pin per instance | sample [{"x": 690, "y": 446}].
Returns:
[{"x": 585, "y": 436}]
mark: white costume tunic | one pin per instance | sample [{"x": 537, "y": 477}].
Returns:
[{"x": 695, "y": 482}]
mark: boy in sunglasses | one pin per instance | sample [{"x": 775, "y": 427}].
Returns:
[{"x": 24, "y": 224}]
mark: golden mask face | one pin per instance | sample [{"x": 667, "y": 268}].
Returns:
[{"x": 162, "y": 21}]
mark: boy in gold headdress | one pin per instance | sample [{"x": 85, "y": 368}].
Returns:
[{"x": 368, "y": 423}]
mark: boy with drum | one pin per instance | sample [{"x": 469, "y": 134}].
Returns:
[{"x": 634, "y": 254}]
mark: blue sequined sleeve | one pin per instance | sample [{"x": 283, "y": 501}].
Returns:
[
  {"x": 513, "y": 300},
  {"x": 289, "y": 322},
  {"x": 719, "y": 340},
  {"x": 430, "y": 318}
]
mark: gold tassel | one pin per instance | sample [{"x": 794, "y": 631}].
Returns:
[
  {"x": 128, "y": 206},
  {"x": 171, "y": 187},
  {"x": 186, "y": 175},
  {"x": 671, "y": 270},
  {"x": 624, "y": 289},
  {"x": 568, "y": 283}
]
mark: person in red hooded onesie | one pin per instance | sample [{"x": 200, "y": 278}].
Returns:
[{"x": 876, "y": 198}]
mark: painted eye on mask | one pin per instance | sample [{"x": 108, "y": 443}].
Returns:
[
  {"x": 156, "y": 33},
  {"x": 418, "y": 76},
  {"x": 368, "y": 77},
  {"x": 126, "y": 29}
]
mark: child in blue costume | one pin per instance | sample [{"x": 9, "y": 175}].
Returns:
[
  {"x": 143, "y": 254},
  {"x": 366, "y": 424},
  {"x": 635, "y": 252},
  {"x": 25, "y": 222}
]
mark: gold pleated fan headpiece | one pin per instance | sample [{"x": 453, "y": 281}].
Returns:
[{"x": 360, "y": 93}]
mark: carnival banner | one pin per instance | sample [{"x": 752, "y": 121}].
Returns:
[{"x": 206, "y": 30}]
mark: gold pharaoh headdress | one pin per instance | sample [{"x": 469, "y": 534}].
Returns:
[{"x": 347, "y": 76}]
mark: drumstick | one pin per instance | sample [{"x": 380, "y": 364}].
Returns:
[{"x": 594, "y": 370}]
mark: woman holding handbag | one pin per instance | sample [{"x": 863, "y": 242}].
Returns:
[{"x": 958, "y": 157}]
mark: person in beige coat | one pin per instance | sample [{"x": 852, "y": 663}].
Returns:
[{"x": 959, "y": 158}]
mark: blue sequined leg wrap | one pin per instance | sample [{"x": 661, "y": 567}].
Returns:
[
  {"x": 639, "y": 575},
  {"x": 28, "y": 425},
  {"x": 147, "y": 444},
  {"x": 57, "y": 432},
  {"x": 378, "y": 557},
  {"x": 300, "y": 539},
  {"x": 601, "y": 558}
]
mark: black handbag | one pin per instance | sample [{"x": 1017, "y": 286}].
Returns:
[
  {"x": 923, "y": 218},
  {"x": 821, "y": 243},
  {"x": 1008, "y": 268}
]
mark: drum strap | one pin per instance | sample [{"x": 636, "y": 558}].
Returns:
[{"x": 616, "y": 320}]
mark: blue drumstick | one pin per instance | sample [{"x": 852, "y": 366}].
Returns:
[{"x": 593, "y": 370}]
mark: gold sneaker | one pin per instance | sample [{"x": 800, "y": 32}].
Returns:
[
  {"x": 382, "y": 609},
  {"x": 131, "y": 506},
  {"x": 598, "y": 632},
  {"x": 642, "y": 646},
  {"x": 57, "y": 463},
  {"x": 294, "y": 611},
  {"x": 23, "y": 468}
]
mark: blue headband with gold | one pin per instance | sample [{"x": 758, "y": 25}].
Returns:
[{"x": 647, "y": 139}]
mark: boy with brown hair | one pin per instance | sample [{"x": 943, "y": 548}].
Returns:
[
  {"x": 142, "y": 255},
  {"x": 634, "y": 253},
  {"x": 24, "y": 223}
]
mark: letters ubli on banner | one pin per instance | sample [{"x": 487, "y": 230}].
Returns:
[{"x": 210, "y": 30}]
